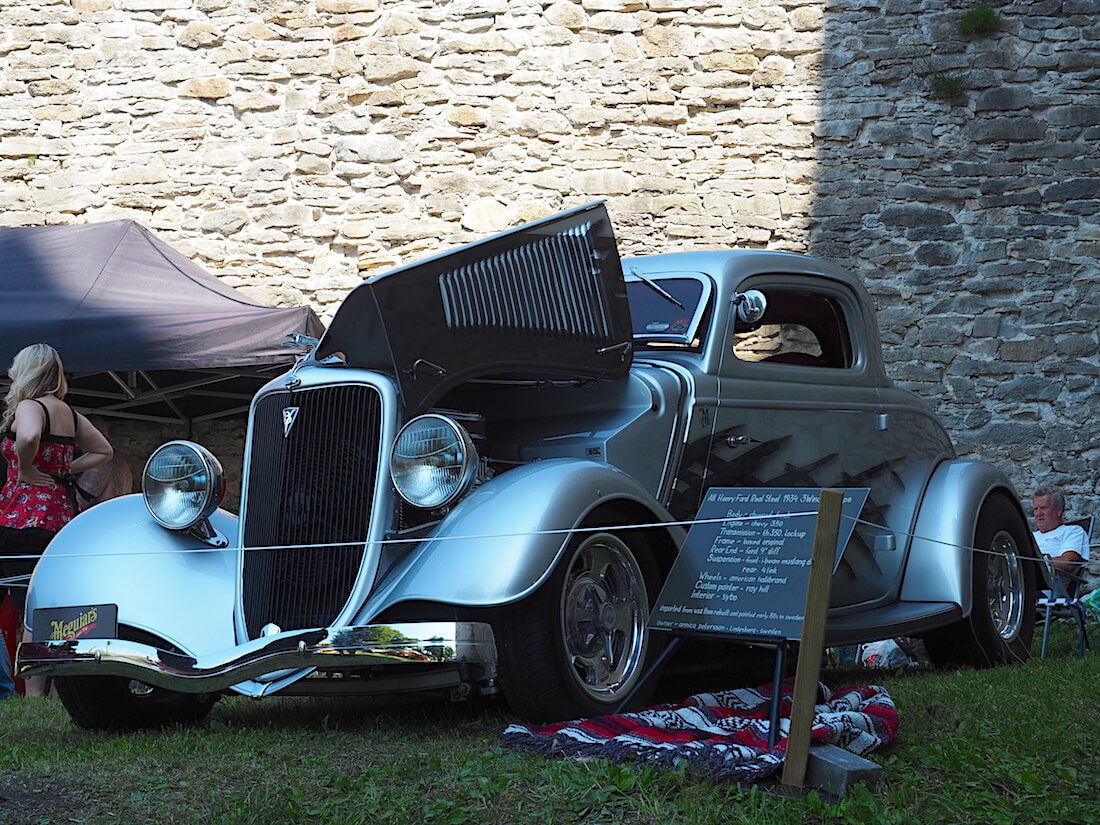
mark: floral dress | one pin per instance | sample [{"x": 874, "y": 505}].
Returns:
[{"x": 49, "y": 506}]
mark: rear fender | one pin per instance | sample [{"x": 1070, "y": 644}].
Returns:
[
  {"x": 167, "y": 583},
  {"x": 939, "y": 565},
  {"x": 501, "y": 542}
]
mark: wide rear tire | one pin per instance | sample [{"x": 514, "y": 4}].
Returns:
[
  {"x": 114, "y": 703},
  {"x": 1002, "y": 620},
  {"x": 581, "y": 643}
]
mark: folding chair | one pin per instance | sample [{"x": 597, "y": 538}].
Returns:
[{"x": 1063, "y": 600}]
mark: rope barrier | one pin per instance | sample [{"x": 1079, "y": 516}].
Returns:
[
  {"x": 523, "y": 534},
  {"x": 20, "y": 581}
]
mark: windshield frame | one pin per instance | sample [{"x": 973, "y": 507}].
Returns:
[{"x": 691, "y": 338}]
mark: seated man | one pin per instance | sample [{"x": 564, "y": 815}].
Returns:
[{"x": 1067, "y": 545}]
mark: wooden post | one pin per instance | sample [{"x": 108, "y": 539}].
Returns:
[{"x": 808, "y": 670}]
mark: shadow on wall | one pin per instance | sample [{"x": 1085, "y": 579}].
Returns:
[{"x": 959, "y": 177}]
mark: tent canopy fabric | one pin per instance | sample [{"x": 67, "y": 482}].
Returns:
[{"x": 135, "y": 321}]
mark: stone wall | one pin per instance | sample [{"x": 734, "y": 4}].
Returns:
[
  {"x": 294, "y": 147},
  {"x": 137, "y": 440}
]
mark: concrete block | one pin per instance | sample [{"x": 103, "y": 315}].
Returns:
[{"x": 835, "y": 770}]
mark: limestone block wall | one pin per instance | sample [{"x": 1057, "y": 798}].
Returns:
[
  {"x": 295, "y": 147},
  {"x": 974, "y": 221}
]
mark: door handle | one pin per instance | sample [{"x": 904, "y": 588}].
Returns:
[{"x": 885, "y": 541}]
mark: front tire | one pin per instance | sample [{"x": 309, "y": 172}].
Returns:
[
  {"x": 1002, "y": 618},
  {"x": 580, "y": 645},
  {"x": 114, "y": 703}
]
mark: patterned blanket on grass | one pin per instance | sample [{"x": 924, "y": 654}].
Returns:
[{"x": 723, "y": 735}]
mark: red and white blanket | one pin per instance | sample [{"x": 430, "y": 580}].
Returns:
[{"x": 723, "y": 735}]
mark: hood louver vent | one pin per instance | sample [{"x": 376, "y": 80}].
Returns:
[{"x": 550, "y": 286}]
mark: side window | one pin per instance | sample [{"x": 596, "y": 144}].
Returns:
[{"x": 800, "y": 328}]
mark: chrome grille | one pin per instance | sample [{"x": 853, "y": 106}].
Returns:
[
  {"x": 312, "y": 486},
  {"x": 551, "y": 285}
]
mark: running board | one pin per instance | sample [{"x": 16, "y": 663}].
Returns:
[{"x": 897, "y": 619}]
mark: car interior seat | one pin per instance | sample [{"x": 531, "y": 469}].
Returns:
[{"x": 802, "y": 359}]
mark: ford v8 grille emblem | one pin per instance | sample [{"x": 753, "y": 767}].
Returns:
[{"x": 290, "y": 415}]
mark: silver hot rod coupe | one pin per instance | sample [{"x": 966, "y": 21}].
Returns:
[{"x": 477, "y": 480}]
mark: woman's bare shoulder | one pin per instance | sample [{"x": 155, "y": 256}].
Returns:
[
  {"x": 29, "y": 406},
  {"x": 61, "y": 414},
  {"x": 28, "y": 419}
]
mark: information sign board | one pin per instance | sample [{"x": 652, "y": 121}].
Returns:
[{"x": 745, "y": 564}]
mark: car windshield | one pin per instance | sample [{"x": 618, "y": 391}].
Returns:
[{"x": 666, "y": 310}]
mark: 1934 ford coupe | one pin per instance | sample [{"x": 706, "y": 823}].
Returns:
[{"x": 478, "y": 478}]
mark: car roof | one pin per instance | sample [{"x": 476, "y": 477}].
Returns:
[{"x": 729, "y": 266}]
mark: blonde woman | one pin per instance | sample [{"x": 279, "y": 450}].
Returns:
[{"x": 41, "y": 434}]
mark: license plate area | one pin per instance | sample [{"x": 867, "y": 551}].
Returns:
[{"x": 89, "y": 621}]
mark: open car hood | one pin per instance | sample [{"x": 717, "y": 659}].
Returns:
[{"x": 544, "y": 300}]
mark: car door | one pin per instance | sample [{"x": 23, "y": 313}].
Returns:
[{"x": 799, "y": 406}]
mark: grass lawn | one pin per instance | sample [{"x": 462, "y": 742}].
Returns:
[{"x": 1011, "y": 745}]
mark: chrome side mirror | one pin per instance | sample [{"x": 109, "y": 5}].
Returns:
[
  {"x": 300, "y": 339},
  {"x": 751, "y": 306}
]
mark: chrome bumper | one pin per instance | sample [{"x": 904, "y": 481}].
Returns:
[{"x": 349, "y": 648}]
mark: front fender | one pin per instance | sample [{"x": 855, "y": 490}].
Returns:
[
  {"x": 939, "y": 567},
  {"x": 166, "y": 583},
  {"x": 500, "y": 543}
]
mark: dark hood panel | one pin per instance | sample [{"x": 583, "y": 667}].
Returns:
[{"x": 544, "y": 300}]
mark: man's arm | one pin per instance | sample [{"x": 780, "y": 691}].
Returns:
[
  {"x": 1074, "y": 547},
  {"x": 1070, "y": 561},
  {"x": 1078, "y": 541}
]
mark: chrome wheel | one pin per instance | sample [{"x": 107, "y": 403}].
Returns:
[
  {"x": 1005, "y": 587},
  {"x": 578, "y": 646},
  {"x": 604, "y": 613},
  {"x": 140, "y": 689},
  {"x": 1002, "y": 585}
]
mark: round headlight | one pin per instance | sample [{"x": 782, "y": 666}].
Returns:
[
  {"x": 433, "y": 461},
  {"x": 183, "y": 484}
]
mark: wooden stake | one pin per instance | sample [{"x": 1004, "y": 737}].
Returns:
[{"x": 808, "y": 670}]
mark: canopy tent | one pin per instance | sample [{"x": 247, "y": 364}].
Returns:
[{"x": 144, "y": 332}]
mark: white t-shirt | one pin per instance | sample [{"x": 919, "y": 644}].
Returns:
[{"x": 1066, "y": 537}]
